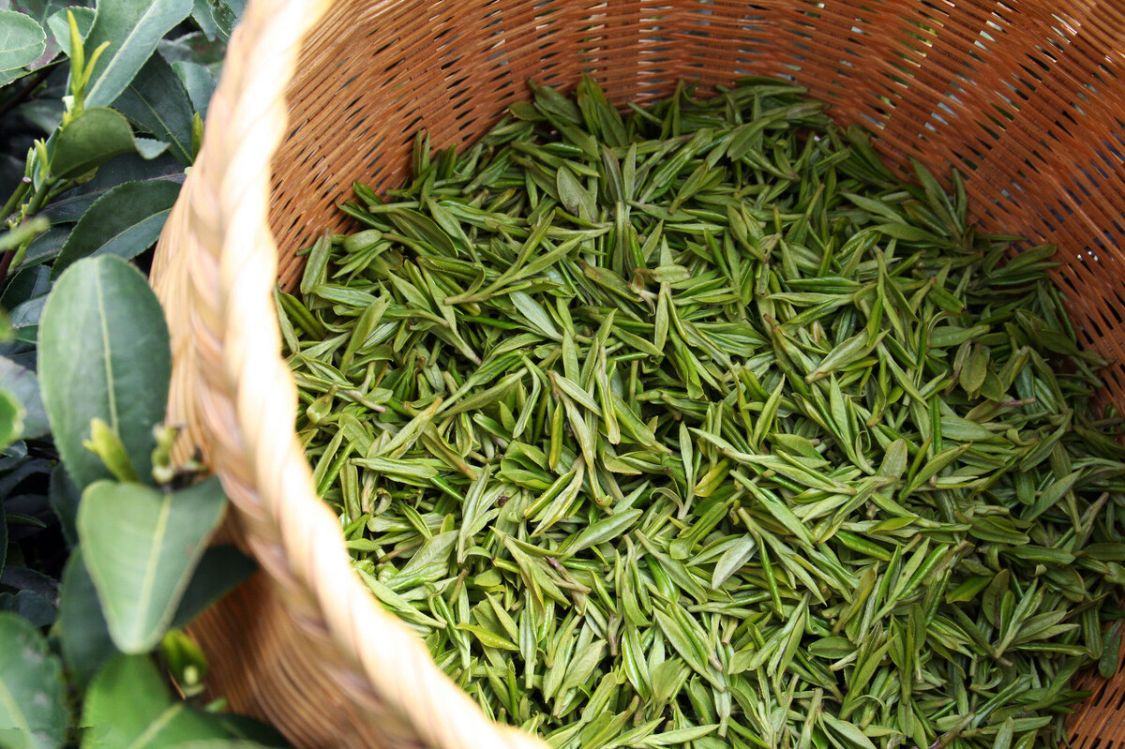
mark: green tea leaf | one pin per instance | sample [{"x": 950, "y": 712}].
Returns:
[
  {"x": 576, "y": 198},
  {"x": 732, "y": 559},
  {"x": 848, "y": 731}
]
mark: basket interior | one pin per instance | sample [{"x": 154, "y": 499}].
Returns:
[{"x": 1026, "y": 100}]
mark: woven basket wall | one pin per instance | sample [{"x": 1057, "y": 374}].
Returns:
[{"x": 1025, "y": 98}]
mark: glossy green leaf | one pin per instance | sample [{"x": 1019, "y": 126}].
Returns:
[
  {"x": 22, "y": 40},
  {"x": 201, "y": 14},
  {"x": 854, "y": 736},
  {"x": 133, "y": 29},
  {"x": 129, "y": 705},
  {"x": 141, "y": 546},
  {"x": 149, "y": 148},
  {"x": 734, "y": 557},
  {"x": 130, "y": 167},
  {"x": 199, "y": 82},
  {"x": 82, "y": 629},
  {"x": 125, "y": 222},
  {"x": 103, "y": 316},
  {"x": 156, "y": 102},
  {"x": 7, "y": 76},
  {"x": 225, "y": 14},
  {"x": 1111, "y": 653},
  {"x": 33, "y": 713},
  {"x": 37, "y": 9},
  {"x": 95, "y": 137}
]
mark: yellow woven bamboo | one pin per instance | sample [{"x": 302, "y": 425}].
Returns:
[{"x": 1025, "y": 98}]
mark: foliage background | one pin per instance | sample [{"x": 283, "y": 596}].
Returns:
[{"x": 94, "y": 146}]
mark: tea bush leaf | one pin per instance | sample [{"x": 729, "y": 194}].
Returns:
[
  {"x": 34, "y": 607},
  {"x": 141, "y": 546},
  {"x": 133, "y": 29},
  {"x": 122, "y": 169},
  {"x": 157, "y": 102},
  {"x": 83, "y": 633},
  {"x": 221, "y": 569},
  {"x": 103, "y": 353},
  {"x": 199, "y": 82},
  {"x": 33, "y": 712},
  {"x": 94, "y": 138},
  {"x": 60, "y": 29},
  {"x": 22, "y": 40},
  {"x": 129, "y": 705},
  {"x": 124, "y": 222}
]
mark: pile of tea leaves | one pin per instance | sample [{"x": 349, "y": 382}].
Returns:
[{"x": 698, "y": 427}]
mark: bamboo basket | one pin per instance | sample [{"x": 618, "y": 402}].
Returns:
[{"x": 1025, "y": 97}]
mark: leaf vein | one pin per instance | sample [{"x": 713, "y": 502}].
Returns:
[
  {"x": 156, "y": 727},
  {"x": 115, "y": 60},
  {"x": 106, "y": 351},
  {"x": 144, "y": 600},
  {"x": 175, "y": 142}
]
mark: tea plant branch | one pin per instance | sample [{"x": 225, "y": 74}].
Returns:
[
  {"x": 37, "y": 171},
  {"x": 32, "y": 82}
]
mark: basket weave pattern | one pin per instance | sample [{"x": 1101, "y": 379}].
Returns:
[{"x": 1025, "y": 98}]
